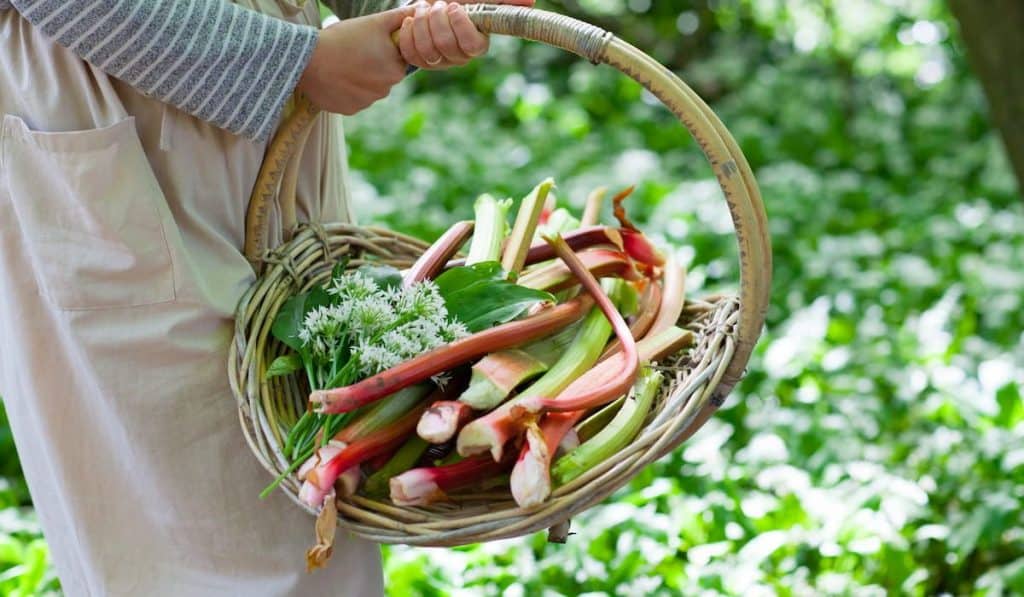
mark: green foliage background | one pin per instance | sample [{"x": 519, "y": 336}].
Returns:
[{"x": 876, "y": 445}]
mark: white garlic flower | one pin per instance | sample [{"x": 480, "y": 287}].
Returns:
[
  {"x": 374, "y": 358},
  {"x": 353, "y": 286}
]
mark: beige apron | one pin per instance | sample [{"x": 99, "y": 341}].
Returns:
[{"x": 121, "y": 223}]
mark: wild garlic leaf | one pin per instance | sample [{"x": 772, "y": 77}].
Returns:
[
  {"x": 481, "y": 296},
  {"x": 293, "y": 312}
]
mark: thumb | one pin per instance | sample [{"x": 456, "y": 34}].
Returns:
[{"x": 391, "y": 20}]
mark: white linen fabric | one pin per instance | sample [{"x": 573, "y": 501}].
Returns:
[{"x": 121, "y": 227}]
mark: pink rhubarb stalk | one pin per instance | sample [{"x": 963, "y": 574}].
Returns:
[
  {"x": 443, "y": 420},
  {"x": 616, "y": 386},
  {"x": 583, "y": 238},
  {"x": 531, "y": 480},
  {"x": 439, "y": 360},
  {"x": 311, "y": 494},
  {"x": 601, "y": 263},
  {"x": 497, "y": 374},
  {"x": 433, "y": 259},
  {"x": 673, "y": 297},
  {"x": 424, "y": 486},
  {"x": 650, "y": 304},
  {"x": 384, "y": 439}
]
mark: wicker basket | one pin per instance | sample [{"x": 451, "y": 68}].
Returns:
[{"x": 727, "y": 327}]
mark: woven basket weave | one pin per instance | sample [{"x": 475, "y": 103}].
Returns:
[{"x": 726, "y": 327}]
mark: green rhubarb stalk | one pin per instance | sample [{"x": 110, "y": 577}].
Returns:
[
  {"x": 514, "y": 256},
  {"x": 593, "y": 424},
  {"x": 497, "y": 374},
  {"x": 377, "y": 485},
  {"x": 489, "y": 231},
  {"x": 616, "y": 436}
]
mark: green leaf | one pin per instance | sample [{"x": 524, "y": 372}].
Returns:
[
  {"x": 285, "y": 365},
  {"x": 289, "y": 320},
  {"x": 481, "y": 296},
  {"x": 293, "y": 312}
]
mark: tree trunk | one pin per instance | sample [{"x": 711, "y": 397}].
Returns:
[{"x": 993, "y": 31}]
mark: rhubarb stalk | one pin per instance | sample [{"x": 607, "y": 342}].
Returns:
[
  {"x": 673, "y": 296},
  {"x": 514, "y": 257},
  {"x": 601, "y": 263},
  {"x": 630, "y": 361},
  {"x": 439, "y": 360},
  {"x": 326, "y": 473},
  {"x": 592, "y": 210},
  {"x": 586, "y": 347},
  {"x": 616, "y": 436},
  {"x": 489, "y": 231},
  {"x": 424, "y": 486},
  {"x": 497, "y": 374},
  {"x": 560, "y": 221},
  {"x": 530, "y": 481},
  {"x": 649, "y": 306},
  {"x": 442, "y": 420},
  {"x": 383, "y": 413},
  {"x": 405, "y": 458},
  {"x": 433, "y": 259},
  {"x": 584, "y": 238},
  {"x": 491, "y": 431}
]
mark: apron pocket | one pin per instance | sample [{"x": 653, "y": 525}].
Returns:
[{"x": 91, "y": 214}]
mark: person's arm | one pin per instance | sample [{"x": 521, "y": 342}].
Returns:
[{"x": 224, "y": 64}]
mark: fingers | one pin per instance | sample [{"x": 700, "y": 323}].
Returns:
[
  {"x": 443, "y": 34},
  {"x": 440, "y": 35},
  {"x": 472, "y": 42},
  {"x": 422, "y": 38},
  {"x": 407, "y": 44}
]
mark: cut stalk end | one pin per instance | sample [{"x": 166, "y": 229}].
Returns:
[
  {"x": 530, "y": 482},
  {"x": 415, "y": 488}
]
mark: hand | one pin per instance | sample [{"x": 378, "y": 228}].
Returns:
[
  {"x": 440, "y": 35},
  {"x": 355, "y": 63}
]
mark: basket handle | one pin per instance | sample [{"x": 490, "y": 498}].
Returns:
[{"x": 599, "y": 47}]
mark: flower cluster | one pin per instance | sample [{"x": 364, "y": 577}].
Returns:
[{"x": 371, "y": 328}]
